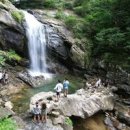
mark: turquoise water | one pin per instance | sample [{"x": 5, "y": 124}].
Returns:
[{"x": 21, "y": 100}]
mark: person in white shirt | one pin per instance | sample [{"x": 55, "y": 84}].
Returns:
[
  {"x": 58, "y": 88},
  {"x": 36, "y": 112}
]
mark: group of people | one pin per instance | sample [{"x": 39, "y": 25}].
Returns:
[
  {"x": 62, "y": 86},
  {"x": 40, "y": 109},
  {"x": 3, "y": 77},
  {"x": 40, "y": 112},
  {"x": 95, "y": 84}
]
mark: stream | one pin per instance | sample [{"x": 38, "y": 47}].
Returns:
[{"x": 21, "y": 100}]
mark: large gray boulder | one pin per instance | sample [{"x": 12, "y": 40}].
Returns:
[
  {"x": 5, "y": 112},
  {"x": 81, "y": 104},
  {"x": 84, "y": 103}
]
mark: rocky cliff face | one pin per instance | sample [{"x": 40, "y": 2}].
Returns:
[
  {"x": 11, "y": 32},
  {"x": 60, "y": 42}
]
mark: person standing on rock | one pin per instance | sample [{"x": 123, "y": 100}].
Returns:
[
  {"x": 36, "y": 112},
  {"x": 58, "y": 88},
  {"x": 65, "y": 86},
  {"x": 44, "y": 112}
]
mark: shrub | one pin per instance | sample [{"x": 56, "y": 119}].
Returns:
[
  {"x": 79, "y": 10},
  {"x": 8, "y": 56},
  {"x": 12, "y": 55},
  {"x": 76, "y": 25},
  {"x": 50, "y": 3},
  {"x": 2, "y": 61},
  {"x": 70, "y": 21},
  {"x": 60, "y": 15},
  {"x": 7, "y": 124},
  {"x": 68, "y": 121},
  {"x": 68, "y": 5},
  {"x": 18, "y": 16}
]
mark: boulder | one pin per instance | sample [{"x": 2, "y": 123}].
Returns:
[
  {"x": 67, "y": 127},
  {"x": 5, "y": 112},
  {"x": 30, "y": 80},
  {"x": 10, "y": 89},
  {"x": 41, "y": 126},
  {"x": 59, "y": 120},
  {"x": 55, "y": 113},
  {"x": 81, "y": 104},
  {"x": 9, "y": 105}
]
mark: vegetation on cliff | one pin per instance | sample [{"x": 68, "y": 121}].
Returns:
[
  {"x": 8, "y": 56},
  {"x": 18, "y": 16}
]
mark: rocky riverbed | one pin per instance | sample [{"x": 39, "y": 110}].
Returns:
[{"x": 83, "y": 104}]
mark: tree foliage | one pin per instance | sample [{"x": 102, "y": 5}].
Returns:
[{"x": 107, "y": 25}]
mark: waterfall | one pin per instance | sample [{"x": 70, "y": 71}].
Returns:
[{"x": 35, "y": 32}]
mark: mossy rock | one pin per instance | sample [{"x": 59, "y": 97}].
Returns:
[{"x": 18, "y": 16}]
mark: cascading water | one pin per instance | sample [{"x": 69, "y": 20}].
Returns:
[{"x": 35, "y": 32}]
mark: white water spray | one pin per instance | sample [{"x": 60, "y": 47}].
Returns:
[{"x": 35, "y": 32}]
